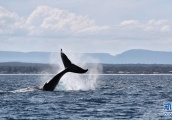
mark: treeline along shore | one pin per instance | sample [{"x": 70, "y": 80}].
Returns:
[{"x": 38, "y": 68}]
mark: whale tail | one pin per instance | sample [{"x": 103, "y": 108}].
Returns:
[{"x": 70, "y": 66}]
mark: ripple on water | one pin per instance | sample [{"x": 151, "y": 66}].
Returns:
[{"x": 116, "y": 97}]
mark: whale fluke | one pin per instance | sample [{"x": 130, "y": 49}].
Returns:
[{"x": 69, "y": 67}]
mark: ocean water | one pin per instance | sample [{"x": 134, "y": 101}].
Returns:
[{"x": 113, "y": 97}]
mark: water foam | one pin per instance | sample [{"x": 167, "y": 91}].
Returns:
[{"x": 24, "y": 90}]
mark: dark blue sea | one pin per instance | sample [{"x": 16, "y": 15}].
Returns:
[{"x": 104, "y": 97}]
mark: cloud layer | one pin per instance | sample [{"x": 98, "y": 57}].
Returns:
[
  {"x": 48, "y": 21},
  {"x": 61, "y": 26}
]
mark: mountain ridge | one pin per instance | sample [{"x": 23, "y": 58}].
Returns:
[{"x": 133, "y": 56}]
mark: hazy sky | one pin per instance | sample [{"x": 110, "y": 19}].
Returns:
[{"x": 85, "y": 26}]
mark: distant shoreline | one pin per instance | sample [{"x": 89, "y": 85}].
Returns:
[{"x": 105, "y": 69}]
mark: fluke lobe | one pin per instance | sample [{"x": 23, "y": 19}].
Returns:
[{"x": 69, "y": 67}]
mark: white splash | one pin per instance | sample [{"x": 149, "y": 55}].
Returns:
[
  {"x": 74, "y": 81},
  {"x": 24, "y": 90}
]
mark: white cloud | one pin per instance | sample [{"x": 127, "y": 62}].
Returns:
[
  {"x": 54, "y": 22},
  {"x": 129, "y": 22},
  {"x": 46, "y": 20},
  {"x": 51, "y": 26},
  {"x": 151, "y": 25},
  {"x": 7, "y": 21},
  {"x": 10, "y": 22},
  {"x": 158, "y": 25}
]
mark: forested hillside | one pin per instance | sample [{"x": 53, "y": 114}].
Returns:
[{"x": 37, "y": 68}]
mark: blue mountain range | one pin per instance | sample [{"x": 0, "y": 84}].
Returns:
[{"x": 134, "y": 56}]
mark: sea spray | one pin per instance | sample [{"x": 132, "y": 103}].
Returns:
[
  {"x": 75, "y": 81},
  {"x": 57, "y": 65}
]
